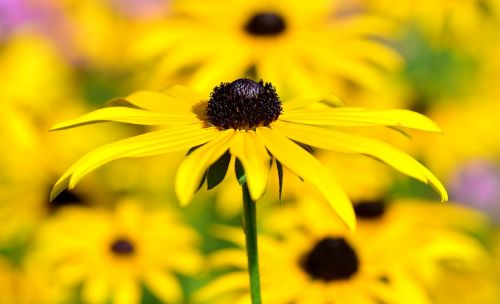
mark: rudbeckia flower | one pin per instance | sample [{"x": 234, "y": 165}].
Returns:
[
  {"x": 246, "y": 120},
  {"x": 113, "y": 254},
  {"x": 305, "y": 266},
  {"x": 324, "y": 264},
  {"x": 301, "y": 47},
  {"x": 453, "y": 265}
]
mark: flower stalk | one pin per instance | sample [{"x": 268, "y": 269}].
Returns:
[{"x": 250, "y": 229}]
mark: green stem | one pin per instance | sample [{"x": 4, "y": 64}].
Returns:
[{"x": 250, "y": 227}]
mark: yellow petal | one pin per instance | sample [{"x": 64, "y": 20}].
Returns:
[
  {"x": 228, "y": 258},
  {"x": 269, "y": 68},
  {"x": 164, "y": 286},
  {"x": 164, "y": 141},
  {"x": 95, "y": 289},
  {"x": 361, "y": 117},
  {"x": 128, "y": 115},
  {"x": 158, "y": 102},
  {"x": 379, "y": 53},
  {"x": 351, "y": 143},
  {"x": 127, "y": 290},
  {"x": 184, "y": 93},
  {"x": 300, "y": 102},
  {"x": 225, "y": 66},
  {"x": 248, "y": 148},
  {"x": 305, "y": 165},
  {"x": 349, "y": 67},
  {"x": 182, "y": 56},
  {"x": 194, "y": 166},
  {"x": 299, "y": 75},
  {"x": 221, "y": 286},
  {"x": 306, "y": 101}
]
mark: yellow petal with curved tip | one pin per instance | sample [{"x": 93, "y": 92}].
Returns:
[
  {"x": 159, "y": 142},
  {"x": 194, "y": 166},
  {"x": 158, "y": 102},
  {"x": 305, "y": 165},
  {"x": 351, "y": 143},
  {"x": 354, "y": 117},
  {"x": 248, "y": 148},
  {"x": 128, "y": 115}
]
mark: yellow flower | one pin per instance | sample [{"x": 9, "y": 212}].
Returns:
[
  {"x": 434, "y": 245},
  {"x": 112, "y": 254},
  {"x": 247, "y": 120},
  {"x": 301, "y": 47},
  {"x": 398, "y": 251},
  {"x": 308, "y": 267}
]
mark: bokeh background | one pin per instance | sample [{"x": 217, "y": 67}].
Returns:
[{"x": 120, "y": 237}]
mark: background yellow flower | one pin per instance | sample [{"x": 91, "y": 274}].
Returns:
[
  {"x": 111, "y": 255},
  {"x": 301, "y": 47}
]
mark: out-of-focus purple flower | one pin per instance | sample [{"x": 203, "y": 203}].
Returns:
[
  {"x": 43, "y": 18},
  {"x": 477, "y": 184},
  {"x": 21, "y": 15},
  {"x": 15, "y": 13},
  {"x": 141, "y": 9}
]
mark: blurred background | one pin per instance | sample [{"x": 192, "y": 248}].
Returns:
[{"x": 120, "y": 237}]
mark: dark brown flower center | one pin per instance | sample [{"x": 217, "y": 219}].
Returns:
[
  {"x": 122, "y": 247},
  {"x": 369, "y": 209},
  {"x": 265, "y": 24},
  {"x": 64, "y": 199},
  {"x": 243, "y": 104},
  {"x": 331, "y": 259}
]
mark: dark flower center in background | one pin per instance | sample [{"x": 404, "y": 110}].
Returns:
[
  {"x": 265, "y": 24},
  {"x": 122, "y": 247},
  {"x": 331, "y": 259},
  {"x": 66, "y": 198},
  {"x": 243, "y": 104},
  {"x": 370, "y": 209}
]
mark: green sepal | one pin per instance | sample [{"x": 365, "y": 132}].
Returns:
[
  {"x": 203, "y": 179},
  {"x": 240, "y": 172},
  {"x": 191, "y": 150},
  {"x": 279, "y": 168},
  {"x": 217, "y": 171}
]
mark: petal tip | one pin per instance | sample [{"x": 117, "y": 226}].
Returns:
[
  {"x": 56, "y": 127},
  {"x": 184, "y": 201}
]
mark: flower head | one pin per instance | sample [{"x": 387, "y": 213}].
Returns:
[
  {"x": 397, "y": 253},
  {"x": 320, "y": 268},
  {"x": 301, "y": 47},
  {"x": 246, "y": 120},
  {"x": 112, "y": 254},
  {"x": 243, "y": 104}
]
